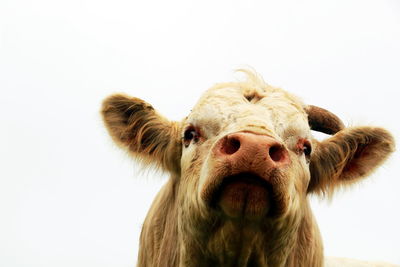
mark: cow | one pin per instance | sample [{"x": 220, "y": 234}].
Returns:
[{"x": 242, "y": 166}]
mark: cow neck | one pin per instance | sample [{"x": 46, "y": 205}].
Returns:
[{"x": 294, "y": 241}]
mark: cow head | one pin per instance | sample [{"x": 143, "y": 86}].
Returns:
[{"x": 246, "y": 152}]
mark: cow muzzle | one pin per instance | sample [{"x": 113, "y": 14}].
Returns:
[{"x": 246, "y": 171}]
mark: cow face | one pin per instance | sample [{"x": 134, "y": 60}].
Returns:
[{"x": 246, "y": 149}]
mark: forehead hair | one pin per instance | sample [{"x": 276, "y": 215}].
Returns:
[
  {"x": 250, "y": 101},
  {"x": 253, "y": 88}
]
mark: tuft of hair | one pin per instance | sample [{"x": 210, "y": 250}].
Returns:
[{"x": 253, "y": 79}]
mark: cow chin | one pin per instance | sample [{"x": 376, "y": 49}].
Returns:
[{"x": 246, "y": 196}]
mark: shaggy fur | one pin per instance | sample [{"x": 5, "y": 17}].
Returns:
[
  {"x": 135, "y": 125},
  {"x": 186, "y": 225},
  {"x": 348, "y": 156}
]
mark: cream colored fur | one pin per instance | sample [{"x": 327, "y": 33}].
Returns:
[{"x": 181, "y": 229}]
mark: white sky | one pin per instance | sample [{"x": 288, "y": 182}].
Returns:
[{"x": 69, "y": 197}]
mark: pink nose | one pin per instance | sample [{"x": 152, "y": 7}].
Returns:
[{"x": 246, "y": 150}]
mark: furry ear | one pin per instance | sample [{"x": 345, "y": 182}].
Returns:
[
  {"x": 348, "y": 156},
  {"x": 135, "y": 125}
]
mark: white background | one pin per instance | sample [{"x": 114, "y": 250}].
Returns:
[{"x": 70, "y": 197}]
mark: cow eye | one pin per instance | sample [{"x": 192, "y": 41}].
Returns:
[
  {"x": 307, "y": 148},
  {"x": 304, "y": 147},
  {"x": 190, "y": 134}
]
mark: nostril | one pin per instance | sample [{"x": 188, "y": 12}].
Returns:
[
  {"x": 230, "y": 145},
  {"x": 277, "y": 153}
]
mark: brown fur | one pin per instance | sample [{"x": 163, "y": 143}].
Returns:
[
  {"x": 135, "y": 125},
  {"x": 348, "y": 156},
  {"x": 181, "y": 229}
]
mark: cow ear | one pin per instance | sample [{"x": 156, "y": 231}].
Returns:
[
  {"x": 347, "y": 157},
  {"x": 135, "y": 125}
]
